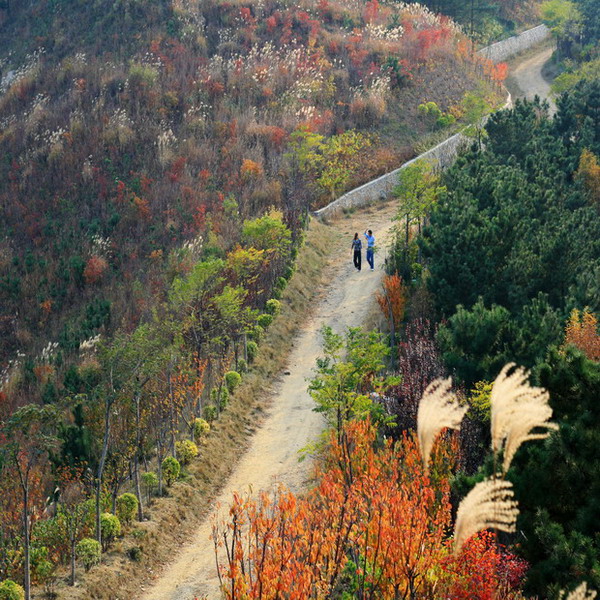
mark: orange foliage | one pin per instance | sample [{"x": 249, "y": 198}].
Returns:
[
  {"x": 393, "y": 299},
  {"x": 371, "y": 11},
  {"x": 374, "y": 517},
  {"x": 43, "y": 372},
  {"x": 142, "y": 206},
  {"x": 499, "y": 72},
  {"x": 250, "y": 168},
  {"x": 95, "y": 269},
  {"x": 582, "y": 332},
  {"x": 46, "y": 307}
]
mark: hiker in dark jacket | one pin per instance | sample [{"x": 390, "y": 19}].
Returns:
[{"x": 356, "y": 248}]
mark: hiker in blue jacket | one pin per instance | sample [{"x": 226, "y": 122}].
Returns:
[
  {"x": 356, "y": 248},
  {"x": 370, "y": 248}
]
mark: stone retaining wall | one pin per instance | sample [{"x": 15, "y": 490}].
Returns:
[
  {"x": 444, "y": 154},
  {"x": 506, "y": 48}
]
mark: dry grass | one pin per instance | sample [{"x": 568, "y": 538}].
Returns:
[
  {"x": 489, "y": 505},
  {"x": 173, "y": 519},
  {"x": 580, "y": 593},
  {"x": 438, "y": 409},
  {"x": 520, "y": 412}
]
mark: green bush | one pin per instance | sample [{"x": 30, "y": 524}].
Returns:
[
  {"x": 242, "y": 366},
  {"x": 186, "y": 451},
  {"x": 110, "y": 527},
  {"x": 42, "y": 567},
  {"x": 150, "y": 481},
  {"x": 210, "y": 413},
  {"x": 135, "y": 553},
  {"x": 273, "y": 307},
  {"x": 9, "y": 590},
  {"x": 280, "y": 284},
  {"x": 127, "y": 505},
  {"x": 171, "y": 469},
  {"x": 224, "y": 398},
  {"x": 264, "y": 320},
  {"x": 289, "y": 271},
  {"x": 251, "y": 350},
  {"x": 201, "y": 428},
  {"x": 232, "y": 380},
  {"x": 88, "y": 552},
  {"x": 256, "y": 333}
]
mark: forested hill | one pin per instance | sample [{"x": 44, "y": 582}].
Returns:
[{"x": 137, "y": 137}]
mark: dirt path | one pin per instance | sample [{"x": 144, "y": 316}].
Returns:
[
  {"x": 529, "y": 79},
  {"x": 291, "y": 423}
]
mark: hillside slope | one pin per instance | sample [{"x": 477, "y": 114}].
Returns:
[{"x": 128, "y": 130}]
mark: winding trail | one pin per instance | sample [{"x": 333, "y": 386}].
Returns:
[
  {"x": 291, "y": 423},
  {"x": 528, "y": 77}
]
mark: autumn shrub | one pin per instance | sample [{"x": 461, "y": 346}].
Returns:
[
  {"x": 110, "y": 527},
  {"x": 264, "y": 320},
  {"x": 251, "y": 350},
  {"x": 9, "y": 590},
  {"x": 94, "y": 269},
  {"x": 127, "y": 506},
  {"x": 171, "y": 469},
  {"x": 368, "y": 496},
  {"x": 88, "y": 552},
  {"x": 150, "y": 481},
  {"x": 201, "y": 429},
  {"x": 582, "y": 332},
  {"x": 232, "y": 380},
  {"x": 273, "y": 306},
  {"x": 186, "y": 451}
]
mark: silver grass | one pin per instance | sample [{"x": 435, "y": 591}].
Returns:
[
  {"x": 517, "y": 410},
  {"x": 489, "y": 505},
  {"x": 580, "y": 593},
  {"x": 438, "y": 409}
]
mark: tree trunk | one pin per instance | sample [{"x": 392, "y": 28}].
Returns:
[
  {"x": 138, "y": 489},
  {"x": 159, "y": 458},
  {"x": 171, "y": 416},
  {"x": 73, "y": 560},
  {"x": 27, "y": 543},
  {"x": 100, "y": 471},
  {"x": 136, "y": 460}
]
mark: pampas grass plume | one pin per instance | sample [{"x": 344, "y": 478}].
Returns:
[
  {"x": 438, "y": 409},
  {"x": 580, "y": 593},
  {"x": 517, "y": 410},
  {"x": 488, "y": 505}
]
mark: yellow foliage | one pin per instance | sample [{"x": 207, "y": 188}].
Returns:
[{"x": 589, "y": 174}]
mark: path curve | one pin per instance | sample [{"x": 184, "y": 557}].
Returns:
[
  {"x": 528, "y": 77},
  {"x": 291, "y": 423}
]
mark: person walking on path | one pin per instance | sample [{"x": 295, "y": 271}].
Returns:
[
  {"x": 370, "y": 248},
  {"x": 356, "y": 247}
]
